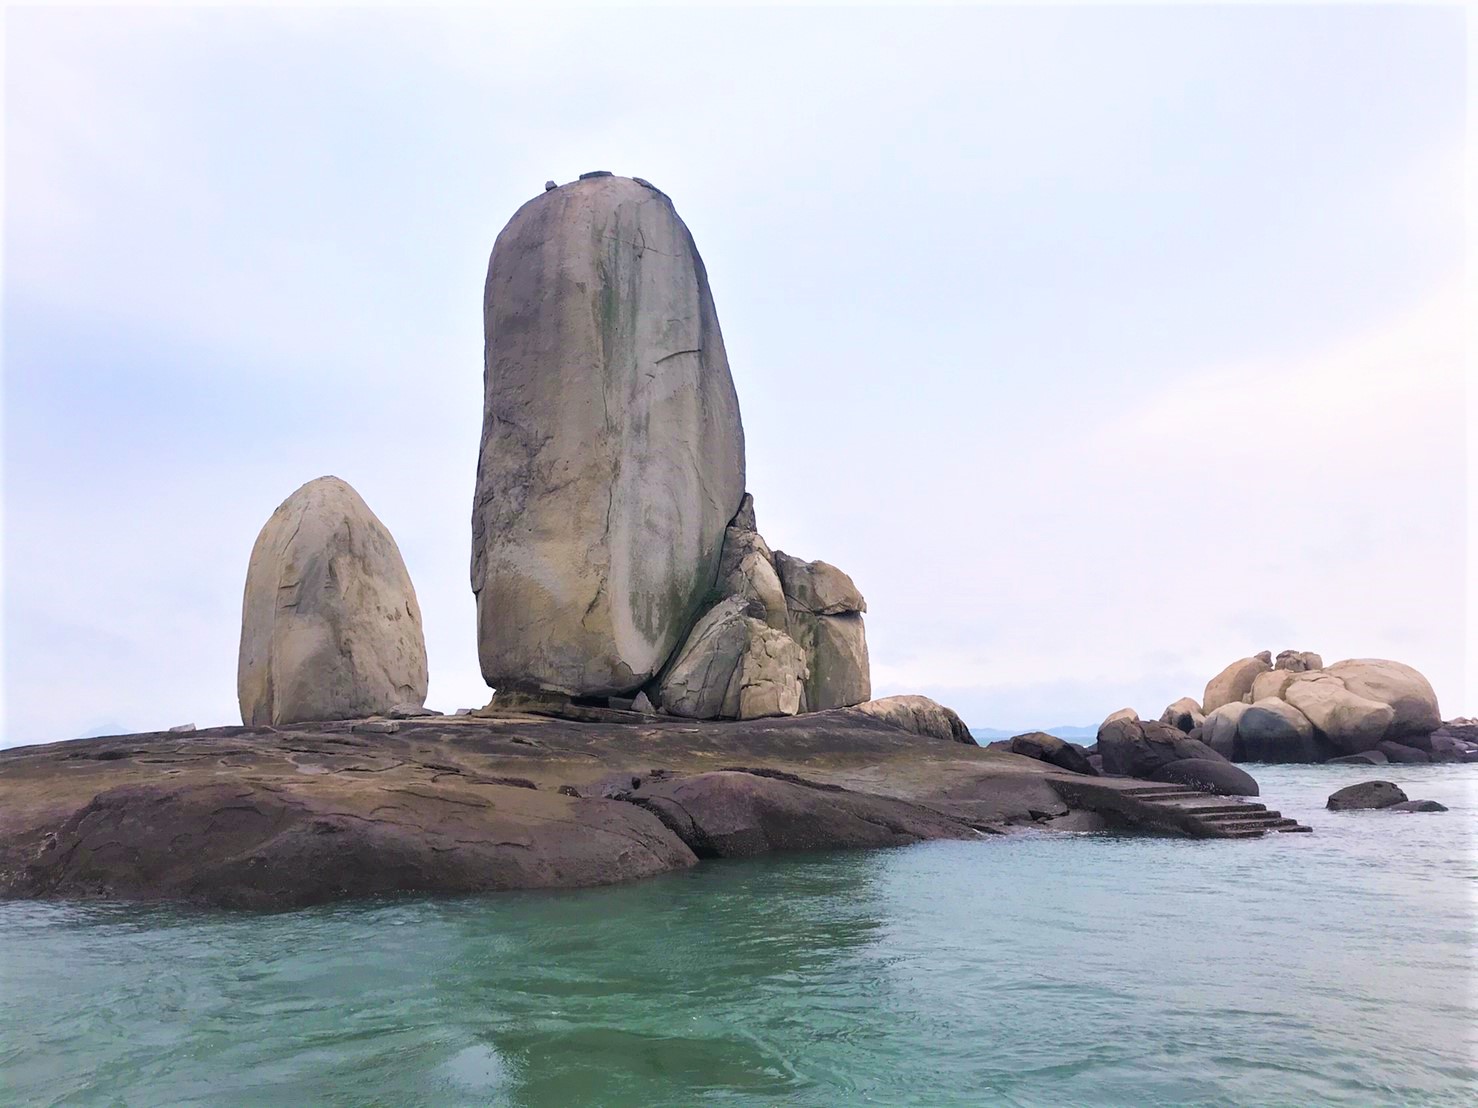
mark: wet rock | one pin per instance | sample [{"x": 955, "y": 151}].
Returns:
[
  {"x": 1404, "y": 755},
  {"x": 1364, "y": 758},
  {"x": 1209, "y": 775},
  {"x": 1367, "y": 794},
  {"x": 1273, "y": 731},
  {"x": 1416, "y": 806},
  {"x": 1137, "y": 748}
]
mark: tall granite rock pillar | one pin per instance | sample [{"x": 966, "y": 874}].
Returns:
[{"x": 612, "y": 453}]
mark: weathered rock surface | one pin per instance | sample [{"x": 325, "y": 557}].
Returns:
[
  {"x": 1219, "y": 731},
  {"x": 1233, "y": 683},
  {"x": 312, "y": 812},
  {"x": 734, "y": 666},
  {"x": 1271, "y": 684},
  {"x": 612, "y": 455},
  {"x": 1138, "y": 748},
  {"x": 824, "y": 614},
  {"x": 1349, "y": 722},
  {"x": 747, "y": 570},
  {"x": 1298, "y": 661},
  {"x": 1122, "y": 713},
  {"x": 739, "y": 815},
  {"x": 1209, "y": 775},
  {"x": 1185, "y": 715},
  {"x": 1051, "y": 749},
  {"x": 1409, "y": 695},
  {"x": 1367, "y": 794},
  {"x": 1273, "y": 731},
  {"x": 330, "y": 626},
  {"x": 920, "y": 716}
]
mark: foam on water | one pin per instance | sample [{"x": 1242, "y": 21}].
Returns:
[{"x": 1332, "y": 968}]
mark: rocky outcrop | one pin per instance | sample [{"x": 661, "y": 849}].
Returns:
[
  {"x": 312, "y": 812},
  {"x": 1235, "y": 682},
  {"x": 1298, "y": 661},
  {"x": 612, "y": 455},
  {"x": 1367, "y": 794},
  {"x": 1185, "y": 714},
  {"x": 747, "y": 569},
  {"x": 1349, "y": 722},
  {"x": 824, "y": 614},
  {"x": 920, "y": 716},
  {"x": 330, "y": 627},
  {"x": 1299, "y": 710},
  {"x": 734, "y": 666},
  {"x": 1138, "y": 748},
  {"x": 1052, "y": 750},
  {"x": 1406, "y": 692}
]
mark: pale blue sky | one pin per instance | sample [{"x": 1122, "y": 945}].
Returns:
[{"x": 1101, "y": 346}]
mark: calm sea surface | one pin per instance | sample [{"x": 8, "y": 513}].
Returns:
[{"x": 1333, "y": 968}]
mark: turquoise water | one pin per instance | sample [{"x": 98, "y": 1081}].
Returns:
[{"x": 1333, "y": 968}]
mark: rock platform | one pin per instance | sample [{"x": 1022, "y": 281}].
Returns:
[{"x": 270, "y": 818}]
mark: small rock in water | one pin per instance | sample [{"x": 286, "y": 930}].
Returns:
[
  {"x": 1367, "y": 794},
  {"x": 1416, "y": 806},
  {"x": 378, "y": 726},
  {"x": 1364, "y": 758},
  {"x": 180, "y": 729}
]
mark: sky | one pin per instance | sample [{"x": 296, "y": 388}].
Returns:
[{"x": 1100, "y": 346}]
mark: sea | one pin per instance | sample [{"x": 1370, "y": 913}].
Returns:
[{"x": 1032, "y": 969}]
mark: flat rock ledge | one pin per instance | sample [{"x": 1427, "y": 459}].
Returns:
[{"x": 274, "y": 818}]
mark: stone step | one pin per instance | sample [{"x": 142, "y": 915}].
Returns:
[
  {"x": 1151, "y": 790},
  {"x": 1235, "y": 831},
  {"x": 1244, "y": 813},
  {"x": 1297, "y": 827},
  {"x": 1234, "y": 810}
]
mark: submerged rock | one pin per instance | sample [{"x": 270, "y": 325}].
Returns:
[
  {"x": 1416, "y": 806},
  {"x": 612, "y": 454},
  {"x": 330, "y": 626}
]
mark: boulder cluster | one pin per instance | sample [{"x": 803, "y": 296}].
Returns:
[
  {"x": 1294, "y": 708},
  {"x": 616, "y": 561}
]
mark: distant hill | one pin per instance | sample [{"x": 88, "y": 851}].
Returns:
[{"x": 991, "y": 734}]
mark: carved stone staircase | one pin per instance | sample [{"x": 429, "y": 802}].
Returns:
[{"x": 1172, "y": 808}]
